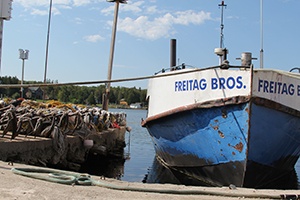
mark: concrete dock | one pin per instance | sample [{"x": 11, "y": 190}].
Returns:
[
  {"x": 69, "y": 153},
  {"x": 15, "y": 186}
]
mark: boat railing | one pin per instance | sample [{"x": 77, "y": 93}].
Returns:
[
  {"x": 184, "y": 66},
  {"x": 295, "y": 68},
  {"x": 178, "y": 67}
]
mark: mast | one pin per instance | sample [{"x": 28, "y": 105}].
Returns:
[
  {"x": 221, "y": 51},
  {"x": 222, "y": 5},
  {"x": 261, "y": 36}
]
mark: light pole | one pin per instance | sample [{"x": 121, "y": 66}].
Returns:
[
  {"x": 23, "y": 56},
  {"x": 112, "y": 49},
  {"x": 5, "y": 14},
  {"x": 47, "y": 44}
]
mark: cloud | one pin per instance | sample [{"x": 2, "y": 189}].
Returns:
[
  {"x": 32, "y": 3},
  {"x": 39, "y": 12},
  {"x": 135, "y": 7},
  {"x": 191, "y": 17},
  {"x": 163, "y": 26},
  {"x": 78, "y": 20},
  {"x": 54, "y": 11},
  {"x": 142, "y": 27},
  {"x": 144, "y": 19},
  {"x": 94, "y": 38},
  {"x": 81, "y": 2},
  {"x": 41, "y": 7},
  {"x": 151, "y": 9},
  {"x": 107, "y": 11},
  {"x": 42, "y": 3}
]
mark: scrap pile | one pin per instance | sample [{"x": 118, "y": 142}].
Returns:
[{"x": 54, "y": 119}]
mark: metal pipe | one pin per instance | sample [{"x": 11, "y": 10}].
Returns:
[
  {"x": 246, "y": 59},
  {"x": 172, "y": 53},
  {"x": 22, "y": 93},
  {"x": 222, "y": 24},
  {"x": 261, "y": 36}
]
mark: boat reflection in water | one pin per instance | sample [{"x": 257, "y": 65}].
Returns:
[
  {"x": 158, "y": 173},
  {"x": 110, "y": 167}
]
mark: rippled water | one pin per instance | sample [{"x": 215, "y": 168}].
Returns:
[
  {"x": 139, "y": 146},
  {"x": 142, "y": 155}
]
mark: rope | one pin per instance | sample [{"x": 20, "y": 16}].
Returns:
[
  {"x": 71, "y": 178},
  {"x": 115, "y": 80}
]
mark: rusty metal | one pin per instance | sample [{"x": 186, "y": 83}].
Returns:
[
  {"x": 239, "y": 147},
  {"x": 221, "y": 134},
  {"x": 208, "y": 104}
]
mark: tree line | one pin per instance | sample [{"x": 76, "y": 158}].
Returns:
[{"x": 90, "y": 95}]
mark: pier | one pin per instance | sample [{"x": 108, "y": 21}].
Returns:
[
  {"x": 42, "y": 151},
  {"x": 43, "y": 154},
  {"x": 59, "y": 135},
  {"x": 15, "y": 186}
]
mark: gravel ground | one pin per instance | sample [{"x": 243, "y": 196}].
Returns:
[{"x": 14, "y": 186}]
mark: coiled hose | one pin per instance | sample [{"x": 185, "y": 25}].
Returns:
[{"x": 71, "y": 178}]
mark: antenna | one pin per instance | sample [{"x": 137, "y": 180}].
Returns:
[
  {"x": 222, "y": 5},
  {"x": 222, "y": 52},
  {"x": 261, "y": 36}
]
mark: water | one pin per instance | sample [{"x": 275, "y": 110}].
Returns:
[
  {"x": 142, "y": 165},
  {"x": 140, "y": 148}
]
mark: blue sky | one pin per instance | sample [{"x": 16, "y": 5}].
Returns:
[{"x": 81, "y": 30}]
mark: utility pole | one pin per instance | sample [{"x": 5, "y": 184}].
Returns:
[
  {"x": 105, "y": 99},
  {"x": 47, "y": 43},
  {"x": 5, "y": 14},
  {"x": 47, "y": 47}
]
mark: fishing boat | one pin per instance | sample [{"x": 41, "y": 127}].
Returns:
[{"x": 226, "y": 125}]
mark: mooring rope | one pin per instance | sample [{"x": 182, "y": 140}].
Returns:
[
  {"x": 71, "y": 178},
  {"x": 114, "y": 80}
]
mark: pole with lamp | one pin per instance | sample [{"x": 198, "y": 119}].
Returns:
[
  {"x": 47, "y": 45},
  {"x": 23, "y": 56},
  {"x": 112, "y": 49},
  {"x": 5, "y": 14}
]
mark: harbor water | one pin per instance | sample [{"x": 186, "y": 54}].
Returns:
[{"x": 141, "y": 165}]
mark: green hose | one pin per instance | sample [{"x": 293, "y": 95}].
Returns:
[
  {"x": 56, "y": 176},
  {"x": 71, "y": 178}
]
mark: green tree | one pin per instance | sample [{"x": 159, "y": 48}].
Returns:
[
  {"x": 63, "y": 94},
  {"x": 91, "y": 99},
  {"x": 77, "y": 94}
]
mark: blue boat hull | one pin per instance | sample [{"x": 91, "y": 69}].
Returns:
[{"x": 245, "y": 144}]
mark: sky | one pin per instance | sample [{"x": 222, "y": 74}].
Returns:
[{"x": 81, "y": 30}]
